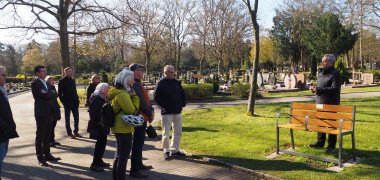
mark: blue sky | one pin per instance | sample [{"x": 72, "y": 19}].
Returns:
[{"x": 16, "y": 37}]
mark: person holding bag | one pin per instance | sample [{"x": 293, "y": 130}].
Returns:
[
  {"x": 123, "y": 98},
  {"x": 98, "y": 131}
]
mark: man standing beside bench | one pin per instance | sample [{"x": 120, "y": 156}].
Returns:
[{"x": 328, "y": 92}]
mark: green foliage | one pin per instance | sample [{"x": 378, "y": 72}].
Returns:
[
  {"x": 198, "y": 91},
  {"x": 215, "y": 83},
  {"x": 103, "y": 76},
  {"x": 240, "y": 90},
  {"x": 57, "y": 77},
  {"x": 328, "y": 35},
  {"x": 82, "y": 81},
  {"x": 339, "y": 66}
]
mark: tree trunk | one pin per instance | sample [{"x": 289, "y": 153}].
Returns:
[
  {"x": 255, "y": 67},
  {"x": 65, "y": 50}
]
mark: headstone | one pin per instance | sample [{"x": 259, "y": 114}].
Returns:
[
  {"x": 265, "y": 78},
  {"x": 282, "y": 76},
  {"x": 290, "y": 81},
  {"x": 301, "y": 80},
  {"x": 367, "y": 78},
  {"x": 272, "y": 79},
  {"x": 259, "y": 79}
]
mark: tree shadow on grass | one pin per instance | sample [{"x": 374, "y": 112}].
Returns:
[{"x": 195, "y": 129}]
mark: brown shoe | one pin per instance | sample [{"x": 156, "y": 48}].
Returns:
[
  {"x": 78, "y": 135},
  {"x": 71, "y": 136}
]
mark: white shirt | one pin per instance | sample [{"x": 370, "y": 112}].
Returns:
[{"x": 44, "y": 83}]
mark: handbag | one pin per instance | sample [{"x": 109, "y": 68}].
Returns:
[{"x": 151, "y": 132}]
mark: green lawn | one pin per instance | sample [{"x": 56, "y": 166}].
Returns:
[{"x": 227, "y": 134}]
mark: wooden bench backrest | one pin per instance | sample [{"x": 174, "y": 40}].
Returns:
[{"x": 323, "y": 115}]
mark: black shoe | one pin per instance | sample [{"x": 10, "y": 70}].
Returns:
[
  {"x": 104, "y": 164},
  {"x": 43, "y": 163},
  {"x": 166, "y": 155},
  {"x": 143, "y": 167},
  {"x": 52, "y": 158},
  {"x": 137, "y": 175},
  {"x": 71, "y": 136},
  {"x": 179, "y": 153},
  {"x": 52, "y": 145},
  {"x": 78, "y": 135},
  {"x": 316, "y": 146},
  {"x": 55, "y": 143},
  {"x": 97, "y": 168},
  {"x": 329, "y": 150}
]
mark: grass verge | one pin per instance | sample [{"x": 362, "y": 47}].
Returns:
[{"x": 228, "y": 135}]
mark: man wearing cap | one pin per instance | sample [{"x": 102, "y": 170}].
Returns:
[
  {"x": 147, "y": 111},
  {"x": 170, "y": 96},
  {"x": 328, "y": 92}
]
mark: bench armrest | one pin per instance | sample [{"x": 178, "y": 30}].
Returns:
[
  {"x": 278, "y": 114},
  {"x": 306, "y": 122}
]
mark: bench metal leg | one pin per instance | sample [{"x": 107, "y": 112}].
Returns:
[
  {"x": 278, "y": 140},
  {"x": 353, "y": 146},
  {"x": 340, "y": 150},
  {"x": 292, "y": 138}
]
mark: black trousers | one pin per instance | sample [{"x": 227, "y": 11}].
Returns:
[
  {"x": 100, "y": 147},
  {"x": 71, "y": 107},
  {"x": 123, "y": 149},
  {"x": 137, "y": 147},
  {"x": 43, "y": 133},
  {"x": 331, "y": 141},
  {"x": 52, "y": 136}
]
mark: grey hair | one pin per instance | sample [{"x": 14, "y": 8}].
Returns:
[
  {"x": 330, "y": 57},
  {"x": 123, "y": 77},
  {"x": 101, "y": 87},
  {"x": 167, "y": 67}
]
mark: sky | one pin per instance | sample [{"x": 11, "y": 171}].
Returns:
[{"x": 17, "y": 37}]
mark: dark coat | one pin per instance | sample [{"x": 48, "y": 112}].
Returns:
[
  {"x": 43, "y": 105},
  {"x": 7, "y": 124},
  {"x": 328, "y": 86},
  {"x": 94, "y": 127},
  {"x": 57, "y": 110},
  {"x": 67, "y": 92},
  {"x": 91, "y": 88},
  {"x": 170, "y": 95}
]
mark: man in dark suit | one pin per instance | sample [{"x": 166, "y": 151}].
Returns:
[
  {"x": 43, "y": 112},
  {"x": 7, "y": 124},
  {"x": 68, "y": 95}
]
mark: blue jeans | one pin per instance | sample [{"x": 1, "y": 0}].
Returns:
[
  {"x": 3, "y": 152},
  {"x": 123, "y": 149}
]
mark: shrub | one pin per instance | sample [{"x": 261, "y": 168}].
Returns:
[
  {"x": 339, "y": 66},
  {"x": 197, "y": 91},
  {"x": 240, "y": 90},
  {"x": 103, "y": 76},
  {"x": 57, "y": 77}
]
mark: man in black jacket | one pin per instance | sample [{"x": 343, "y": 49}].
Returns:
[
  {"x": 328, "y": 92},
  {"x": 169, "y": 95},
  {"x": 43, "y": 113},
  {"x": 7, "y": 124},
  {"x": 67, "y": 92}
]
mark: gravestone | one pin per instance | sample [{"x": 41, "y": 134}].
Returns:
[
  {"x": 259, "y": 79},
  {"x": 265, "y": 78},
  {"x": 290, "y": 81},
  {"x": 367, "y": 78},
  {"x": 282, "y": 76},
  {"x": 301, "y": 80},
  {"x": 272, "y": 79}
]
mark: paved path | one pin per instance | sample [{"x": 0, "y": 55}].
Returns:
[{"x": 21, "y": 162}]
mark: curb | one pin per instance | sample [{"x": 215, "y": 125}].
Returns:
[{"x": 236, "y": 168}]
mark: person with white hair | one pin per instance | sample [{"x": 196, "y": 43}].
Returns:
[
  {"x": 328, "y": 92},
  {"x": 96, "y": 130},
  {"x": 124, "y": 101},
  {"x": 56, "y": 109},
  {"x": 170, "y": 97}
]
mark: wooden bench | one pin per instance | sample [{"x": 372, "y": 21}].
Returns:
[{"x": 323, "y": 118}]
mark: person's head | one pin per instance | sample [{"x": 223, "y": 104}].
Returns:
[
  {"x": 68, "y": 72},
  {"x": 50, "y": 80},
  {"x": 3, "y": 75},
  {"x": 124, "y": 78},
  {"x": 328, "y": 60},
  {"x": 102, "y": 89},
  {"x": 138, "y": 69},
  {"x": 40, "y": 72},
  {"x": 95, "y": 79},
  {"x": 169, "y": 72}
]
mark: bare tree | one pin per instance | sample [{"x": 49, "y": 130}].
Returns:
[
  {"x": 253, "y": 81},
  {"x": 47, "y": 16}
]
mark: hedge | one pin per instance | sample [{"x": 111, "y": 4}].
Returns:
[
  {"x": 241, "y": 90},
  {"x": 198, "y": 91}
]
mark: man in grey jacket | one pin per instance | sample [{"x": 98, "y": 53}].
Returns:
[{"x": 328, "y": 92}]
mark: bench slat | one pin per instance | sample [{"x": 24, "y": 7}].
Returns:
[
  {"x": 323, "y": 123},
  {"x": 313, "y": 129},
  {"x": 326, "y": 107},
  {"x": 322, "y": 115}
]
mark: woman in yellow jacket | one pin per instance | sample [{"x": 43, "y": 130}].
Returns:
[{"x": 124, "y": 102}]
